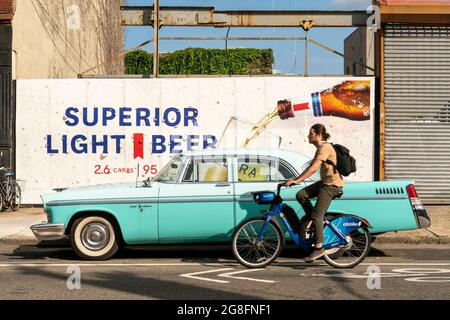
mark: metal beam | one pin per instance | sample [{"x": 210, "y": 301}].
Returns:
[
  {"x": 156, "y": 23},
  {"x": 208, "y": 16}
]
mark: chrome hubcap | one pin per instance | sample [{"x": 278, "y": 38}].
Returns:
[
  {"x": 350, "y": 242},
  {"x": 95, "y": 236}
]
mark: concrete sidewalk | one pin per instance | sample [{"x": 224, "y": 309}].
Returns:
[{"x": 15, "y": 227}]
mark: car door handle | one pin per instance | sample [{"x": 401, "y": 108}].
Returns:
[{"x": 225, "y": 184}]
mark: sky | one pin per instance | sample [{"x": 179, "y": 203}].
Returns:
[{"x": 289, "y": 55}]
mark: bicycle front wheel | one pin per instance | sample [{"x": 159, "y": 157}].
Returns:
[
  {"x": 16, "y": 197},
  {"x": 354, "y": 253},
  {"x": 246, "y": 248}
]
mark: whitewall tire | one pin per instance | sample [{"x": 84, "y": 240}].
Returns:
[{"x": 94, "y": 238}]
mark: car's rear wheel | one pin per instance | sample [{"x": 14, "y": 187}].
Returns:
[{"x": 94, "y": 238}]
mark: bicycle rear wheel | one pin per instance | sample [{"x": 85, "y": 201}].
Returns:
[
  {"x": 16, "y": 196},
  {"x": 246, "y": 248},
  {"x": 354, "y": 253}
]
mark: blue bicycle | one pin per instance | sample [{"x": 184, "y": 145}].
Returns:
[{"x": 258, "y": 241}]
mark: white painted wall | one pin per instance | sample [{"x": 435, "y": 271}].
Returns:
[{"x": 42, "y": 106}]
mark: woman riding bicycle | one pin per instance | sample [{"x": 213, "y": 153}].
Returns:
[{"x": 330, "y": 185}]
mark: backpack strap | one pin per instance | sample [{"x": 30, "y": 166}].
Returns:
[{"x": 332, "y": 163}]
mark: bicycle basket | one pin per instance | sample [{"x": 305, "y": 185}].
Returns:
[{"x": 263, "y": 197}]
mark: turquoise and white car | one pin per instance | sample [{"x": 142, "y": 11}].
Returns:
[{"x": 202, "y": 197}]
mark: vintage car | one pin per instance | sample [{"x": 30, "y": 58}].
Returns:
[{"x": 202, "y": 197}]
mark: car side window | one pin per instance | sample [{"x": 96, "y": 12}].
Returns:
[
  {"x": 284, "y": 173},
  {"x": 189, "y": 173},
  {"x": 254, "y": 169},
  {"x": 206, "y": 170}
]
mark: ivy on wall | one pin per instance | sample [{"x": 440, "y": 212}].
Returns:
[{"x": 203, "y": 61}]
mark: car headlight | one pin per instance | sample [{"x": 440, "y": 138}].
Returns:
[{"x": 49, "y": 214}]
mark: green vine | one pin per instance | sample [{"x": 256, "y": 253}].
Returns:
[{"x": 203, "y": 61}]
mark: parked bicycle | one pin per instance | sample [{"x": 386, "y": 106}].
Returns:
[
  {"x": 258, "y": 241},
  {"x": 10, "y": 193}
]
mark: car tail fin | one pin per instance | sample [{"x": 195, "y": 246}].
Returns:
[{"x": 412, "y": 193}]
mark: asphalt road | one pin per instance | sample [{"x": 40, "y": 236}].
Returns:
[{"x": 211, "y": 273}]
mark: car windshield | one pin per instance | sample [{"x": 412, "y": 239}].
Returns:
[{"x": 170, "y": 172}]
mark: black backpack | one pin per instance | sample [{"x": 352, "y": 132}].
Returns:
[{"x": 346, "y": 164}]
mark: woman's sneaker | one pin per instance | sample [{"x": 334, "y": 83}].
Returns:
[{"x": 316, "y": 254}]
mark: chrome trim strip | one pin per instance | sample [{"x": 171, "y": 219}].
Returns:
[
  {"x": 343, "y": 198},
  {"x": 100, "y": 201},
  {"x": 245, "y": 200},
  {"x": 87, "y": 202},
  {"x": 196, "y": 200},
  {"x": 358, "y": 198},
  {"x": 48, "y": 231}
]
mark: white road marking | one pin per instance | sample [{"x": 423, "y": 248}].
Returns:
[
  {"x": 296, "y": 262},
  {"x": 230, "y": 275},
  {"x": 404, "y": 264},
  {"x": 43, "y": 265},
  {"x": 421, "y": 270},
  {"x": 412, "y": 275},
  {"x": 429, "y": 279},
  {"x": 9, "y": 265},
  {"x": 194, "y": 275},
  {"x": 362, "y": 276}
]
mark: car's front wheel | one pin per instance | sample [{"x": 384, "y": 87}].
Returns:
[{"x": 94, "y": 238}]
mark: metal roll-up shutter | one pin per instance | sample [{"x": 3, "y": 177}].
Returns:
[{"x": 417, "y": 101}]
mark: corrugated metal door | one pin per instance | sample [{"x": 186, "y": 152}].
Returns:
[
  {"x": 417, "y": 99},
  {"x": 6, "y": 114}
]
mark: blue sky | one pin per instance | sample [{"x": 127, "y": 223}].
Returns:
[{"x": 289, "y": 55}]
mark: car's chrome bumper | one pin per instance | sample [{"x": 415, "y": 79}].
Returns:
[
  {"x": 423, "y": 218},
  {"x": 48, "y": 231}
]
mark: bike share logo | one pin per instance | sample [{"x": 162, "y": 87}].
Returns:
[
  {"x": 148, "y": 119},
  {"x": 352, "y": 224}
]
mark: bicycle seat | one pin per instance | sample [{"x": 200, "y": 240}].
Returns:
[
  {"x": 9, "y": 174},
  {"x": 338, "y": 195}
]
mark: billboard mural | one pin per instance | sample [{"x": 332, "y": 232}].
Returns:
[{"x": 85, "y": 132}]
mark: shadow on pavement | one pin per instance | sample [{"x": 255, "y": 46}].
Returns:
[
  {"x": 187, "y": 253},
  {"x": 145, "y": 286},
  {"x": 211, "y": 253}
]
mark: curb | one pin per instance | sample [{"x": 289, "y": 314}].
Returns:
[
  {"x": 18, "y": 241},
  {"x": 412, "y": 240},
  {"x": 32, "y": 241}
]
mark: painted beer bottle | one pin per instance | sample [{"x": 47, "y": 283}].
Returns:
[{"x": 349, "y": 100}]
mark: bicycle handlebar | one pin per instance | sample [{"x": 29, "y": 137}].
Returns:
[
  {"x": 279, "y": 188},
  {"x": 281, "y": 185}
]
